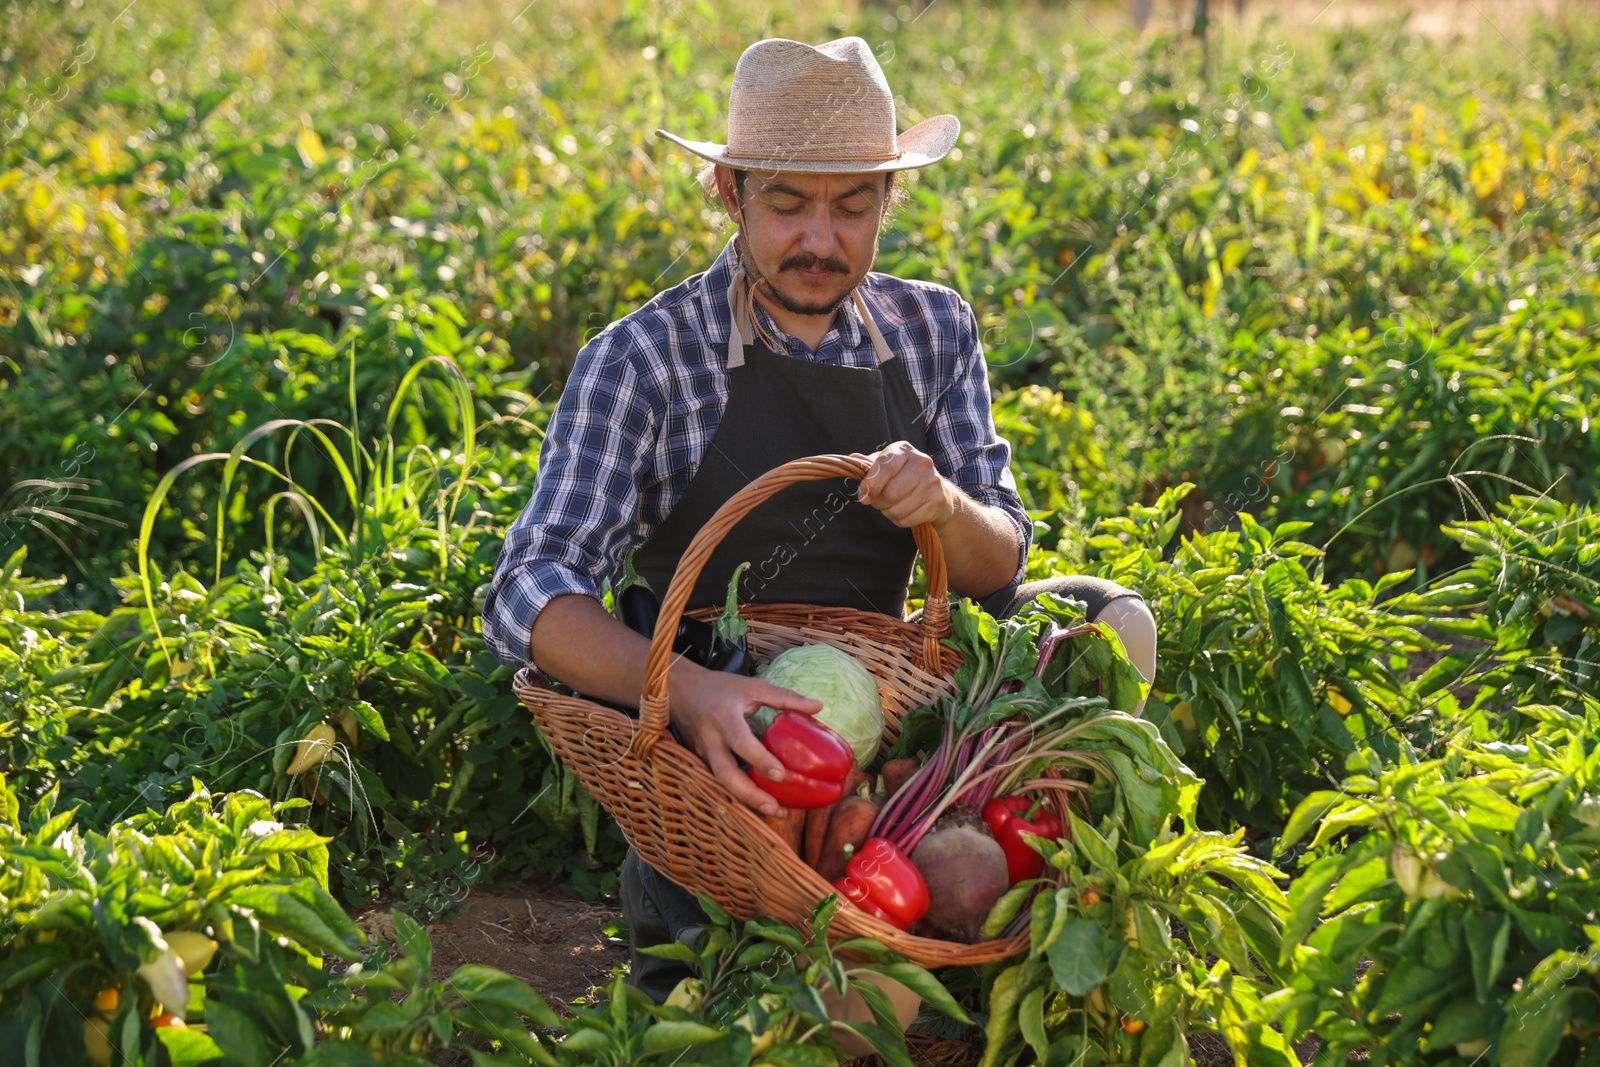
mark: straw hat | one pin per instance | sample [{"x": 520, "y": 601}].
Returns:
[{"x": 826, "y": 109}]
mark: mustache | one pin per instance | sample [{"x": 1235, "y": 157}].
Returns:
[{"x": 806, "y": 261}]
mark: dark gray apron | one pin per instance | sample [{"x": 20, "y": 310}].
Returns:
[{"x": 810, "y": 543}]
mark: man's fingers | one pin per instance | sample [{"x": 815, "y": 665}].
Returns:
[
  {"x": 883, "y": 466},
  {"x": 912, "y": 511},
  {"x": 911, "y": 474},
  {"x": 755, "y": 753},
  {"x": 739, "y": 784},
  {"x": 892, "y": 477}
]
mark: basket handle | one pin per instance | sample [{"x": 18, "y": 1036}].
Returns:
[{"x": 935, "y": 612}]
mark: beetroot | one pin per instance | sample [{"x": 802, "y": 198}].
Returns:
[{"x": 965, "y": 869}]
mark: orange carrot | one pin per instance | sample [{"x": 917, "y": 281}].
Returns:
[
  {"x": 897, "y": 772},
  {"x": 817, "y": 819},
  {"x": 787, "y": 824},
  {"x": 852, "y": 821},
  {"x": 816, "y": 829}
]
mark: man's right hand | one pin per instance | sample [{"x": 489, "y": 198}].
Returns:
[
  {"x": 708, "y": 707},
  {"x": 711, "y": 710}
]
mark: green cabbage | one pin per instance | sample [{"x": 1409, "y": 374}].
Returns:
[{"x": 848, "y": 692}]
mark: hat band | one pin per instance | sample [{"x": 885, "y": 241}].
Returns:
[{"x": 832, "y": 157}]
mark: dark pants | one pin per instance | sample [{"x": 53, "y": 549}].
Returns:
[{"x": 658, "y": 910}]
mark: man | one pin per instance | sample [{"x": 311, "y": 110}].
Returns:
[{"x": 788, "y": 346}]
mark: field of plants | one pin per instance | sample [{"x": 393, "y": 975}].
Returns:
[{"x": 1293, "y": 327}]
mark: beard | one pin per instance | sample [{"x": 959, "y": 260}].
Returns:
[{"x": 809, "y": 304}]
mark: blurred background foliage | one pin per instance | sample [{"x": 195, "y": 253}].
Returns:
[{"x": 1316, "y": 272}]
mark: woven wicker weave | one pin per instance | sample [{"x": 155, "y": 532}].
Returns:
[{"x": 680, "y": 818}]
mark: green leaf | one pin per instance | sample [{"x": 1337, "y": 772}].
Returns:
[
  {"x": 1299, "y": 709},
  {"x": 29, "y": 963},
  {"x": 1463, "y": 1019},
  {"x": 1048, "y": 912},
  {"x": 1130, "y": 985},
  {"x": 485, "y": 985},
  {"x": 822, "y": 918},
  {"x": 289, "y": 839},
  {"x": 1365, "y": 881},
  {"x": 1096, "y": 850},
  {"x": 1078, "y": 958},
  {"x": 1307, "y": 813},
  {"x": 1030, "y": 1020},
  {"x": 1535, "y": 1019},
  {"x": 1152, "y": 930},
  {"x": 788, "y": 1054},
  {"x": 238, "y": 1035},
  {"x": 664, "y": 1035},
  {"x": 1548, "y": 933},
  {"x": 714, "y": 913},
  {"x": 925, "y": 986},
  {"x": 1305, "y": 903},
  {"x": 369, "y": 718},
  {"x": 278, "y": 906},
  {"x": 1409, "y": 987},
  {"x": 671, "y": 950},
  {"x": 1487, "y": 937},
  {"x": 588, "y": 1037},
  {"x": 1161, "y": 1046},
  {"x": 188, "y": 1048},
  {"x": 1008, "y": 991},
  {"x": 427, "y": 670},
  {"x": 867, "y": 949}
]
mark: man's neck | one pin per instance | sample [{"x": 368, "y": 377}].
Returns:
[{"x": 809, "y": 330}]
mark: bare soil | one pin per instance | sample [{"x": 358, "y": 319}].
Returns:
[{"x": 532, "y": 931}]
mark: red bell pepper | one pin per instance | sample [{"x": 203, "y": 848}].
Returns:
[
  {"x": 816, "y": 761},
  {"x": 882, "y": 881},
  {"x": 1008, "y": 819}
]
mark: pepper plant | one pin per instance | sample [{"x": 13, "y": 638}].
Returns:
[
  {"x": 212, "y": 913},
  {"x": 1116, "y": 970},
  {"x": 758, "y": 995},
  {"x": 1530, "y": 597},
  {"x": 370, "y": 648},
  {"x": 1268, "y": 676},
  {"x": 1468, "y": 884}
]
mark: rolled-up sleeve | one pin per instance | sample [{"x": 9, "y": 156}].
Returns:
[
  {"x": 591, "y": 467},
  {"x": 966, "y": 446}
]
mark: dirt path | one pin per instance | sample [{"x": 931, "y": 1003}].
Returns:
[{"x": 556, "y": 943}]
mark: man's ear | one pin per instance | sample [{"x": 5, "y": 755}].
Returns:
[{"x": 728, "y": 190}]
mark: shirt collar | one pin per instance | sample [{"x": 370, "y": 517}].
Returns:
[{"x": 846, "y": 327}]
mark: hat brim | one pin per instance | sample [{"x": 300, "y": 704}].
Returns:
[{"x": 927, "y": 142}]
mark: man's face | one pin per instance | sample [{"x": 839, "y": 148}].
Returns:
[{"x": 813, "y": 237}]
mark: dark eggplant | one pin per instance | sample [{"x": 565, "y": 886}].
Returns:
[
  {"x": 694, "y": 641},
  {"x": 638, "y": 609},
  {"x": 732, "y": 657}
]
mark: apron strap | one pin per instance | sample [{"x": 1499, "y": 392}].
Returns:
[
  {"x": 740, "y": 327},
  {"x": 879, "y": 345},
  {"x": 737, "y": 330}
]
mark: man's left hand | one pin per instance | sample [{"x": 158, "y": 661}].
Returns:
[{"x": 905, "y": 485}]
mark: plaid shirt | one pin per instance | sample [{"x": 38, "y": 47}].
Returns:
[{"x": 645, "y": 397}]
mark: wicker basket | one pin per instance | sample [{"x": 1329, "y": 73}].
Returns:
[{"x": 680, "y": 818}]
